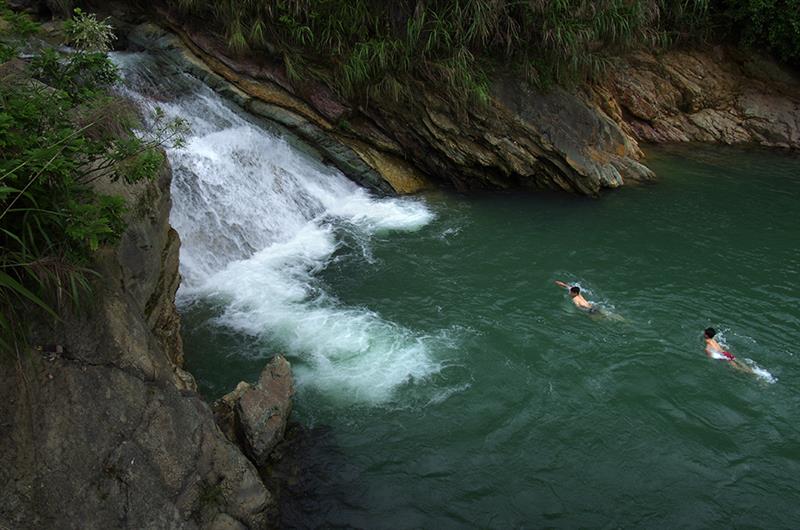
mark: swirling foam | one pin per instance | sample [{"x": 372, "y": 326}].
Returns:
[{"x": 257, "y": 220}]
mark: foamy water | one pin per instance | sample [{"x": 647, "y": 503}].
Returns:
[{"x": 258, "y": 219}]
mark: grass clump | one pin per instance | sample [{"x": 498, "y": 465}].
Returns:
[{"x": 378, "y": 47}]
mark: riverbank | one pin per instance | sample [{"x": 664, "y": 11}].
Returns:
[{"x": 583, "y": 140}]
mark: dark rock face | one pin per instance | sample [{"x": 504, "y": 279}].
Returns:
[
  {"x": 274, "y": 103},
  {"x": 520, "y": 139},
  {"x": 255, "y": 416},
  {"x": 110, "y": 433}
]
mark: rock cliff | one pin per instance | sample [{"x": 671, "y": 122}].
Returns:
[
  {"x": 719, "y": 95},
  {"x": 520, "y": 139},
  {"x": 102, "y": 428},
  {"x": 580, "y": 140}
]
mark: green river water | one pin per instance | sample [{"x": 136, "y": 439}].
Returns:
[{"x": 529, "y": 413}]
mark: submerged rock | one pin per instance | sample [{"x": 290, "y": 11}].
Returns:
[{"x": 255, "y": 416}]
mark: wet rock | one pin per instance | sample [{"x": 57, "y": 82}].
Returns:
[
  {"x": 267, "y": 97},
  {"x": 255, "y": 416},
  {"x": 580, "y": 140},
  {"x": 223, "y": 521},
  {"x": 225, "y": 411}
]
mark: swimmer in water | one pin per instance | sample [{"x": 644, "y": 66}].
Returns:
[
  {"x": 715, "y": 351},
  {"x": 577, "y": 298}
]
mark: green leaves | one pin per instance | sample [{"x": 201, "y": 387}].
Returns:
[
  {"x": 773, "y": 25},
  {"x": 17, "y": 288},
  {"x": 61, "y": 130},
  {"x": 20, "y": 23},
  {"x": 95, "y": 223},
  {"x": 86, "y": 33},
  {"x": 379, "y": 48},
  {"x": 81, "y": 76}
]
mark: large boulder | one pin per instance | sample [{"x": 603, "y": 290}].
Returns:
[{"x": 255, "y": 416}]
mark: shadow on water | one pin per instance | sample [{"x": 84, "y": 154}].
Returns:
[
  {"x": 208, "y": 345},
  {"x": 300, "y": 473}
]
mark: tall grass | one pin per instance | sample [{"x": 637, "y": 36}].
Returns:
[{"x": 377, "y": 46}]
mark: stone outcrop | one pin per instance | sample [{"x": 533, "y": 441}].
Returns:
[
  {"x": 581, "y": 140},
  {"x": 720, "y": 96},
  {"x": 521, "y": 139},
  {"x": 107, "y": 431},
  {"x": 255, "y": 416},
  {"x": 383, "y": 172}
]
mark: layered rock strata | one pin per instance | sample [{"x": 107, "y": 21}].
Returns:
[
  {"x": 521, "y": 139},
  {"x": 717, "y": 96},
  {"x": 581, "y": 140}
]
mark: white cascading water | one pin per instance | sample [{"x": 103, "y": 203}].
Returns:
[{"x": 257, "y": 220}]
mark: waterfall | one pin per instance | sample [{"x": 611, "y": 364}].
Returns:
[{"x": 258, "y": 219}]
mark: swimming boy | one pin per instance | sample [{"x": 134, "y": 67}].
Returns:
[
  {"x": 715, "y": 351},
  {"x": 577, "y": 298}
]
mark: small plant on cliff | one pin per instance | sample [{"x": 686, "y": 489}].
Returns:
[
  {"x": 62, "y": 130},
  {"x": 87, "y": 33},
  {"x": 14, "y": 27}
]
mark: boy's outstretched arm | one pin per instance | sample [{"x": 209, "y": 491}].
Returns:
[{"x": 561, "y": 284}]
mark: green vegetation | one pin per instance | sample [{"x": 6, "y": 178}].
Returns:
[
  {"x": 377, "y": 47},
  {"x": 365, "y": 47},
  {"x": 85, "y": 32},
  {"x": 62, "y": 130},
  {"x": 766, "y": 25}
]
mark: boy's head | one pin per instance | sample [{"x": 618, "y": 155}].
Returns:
[
  {"x": 574, "y": 290},
  {"x": 709, "y": 333}
]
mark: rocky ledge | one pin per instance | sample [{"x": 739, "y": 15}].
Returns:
[
  {"x": 102, "y": 428},
  {"x": 718, "y": 96},
  {"x": 580, "y": 140},
  {"x": 521, "y": 139}
]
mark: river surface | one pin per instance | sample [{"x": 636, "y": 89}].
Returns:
[{"x": 448, "y": 383}]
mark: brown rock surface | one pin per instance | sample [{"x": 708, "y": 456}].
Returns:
[
  {"x": 522, "y": 138},
  {"x": 582, "y": 140},
  {"x": 255, "y": 416},
  {"x": 719, "y": 96}
]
